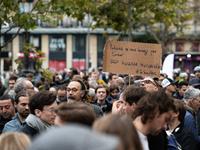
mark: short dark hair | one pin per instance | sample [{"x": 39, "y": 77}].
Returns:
[
  {"x": 21, "y": 94},
  {"x": 76, "y": 112},
  {"x": 74, "y": 71},
  {"x": 126, "y": 80},
  {"x": 7, "y": 97},
  {"x": 110, "y": 75},
  {"x": 62, "y": 88},
  {"x": 13, "y": 78},
  {"x": 151, "y": 103},
  {"x": 180, "y": 84},
  {"x": 132, "y": 94},
  {"x": 41, "y": 99}
]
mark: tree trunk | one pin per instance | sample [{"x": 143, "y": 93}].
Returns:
[{"x": 129, "y": 22}]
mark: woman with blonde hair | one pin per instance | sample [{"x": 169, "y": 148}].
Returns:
[
  {"x": 14, "y": 141},
  {"x": 121, "y": 126}
]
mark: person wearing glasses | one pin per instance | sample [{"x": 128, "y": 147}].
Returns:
[
  {"x": 23, "y": 84},
  {"x": 77, "y": 92},
  {"x": 42, "y": 114},
  {"x": 149, "y": 84},
  {"x": 192, "y": 101}
]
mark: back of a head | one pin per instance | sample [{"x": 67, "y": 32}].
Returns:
[
  {"x": 129, "y": 79},
  {"x": 77, "y": 77},
  {"x": 14, "y": 141},
  {"x": 74, "y": 70},
  {"x": 62, "y": 88},
  {"x": 74, "y": 137},
  {"x": 151, "y": 103},
  {"x": 41, "y": 99},
  {"x": 38, "y": 84},
  {"x": 122, "y": 126},
  {"x": 180, "y": 107},
  {"x": 76, "y": 112},
  {"x": 132, "y": 94}
]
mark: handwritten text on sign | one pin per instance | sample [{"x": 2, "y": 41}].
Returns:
[{"x": 132, "y": 58}]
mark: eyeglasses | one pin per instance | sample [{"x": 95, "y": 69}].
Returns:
[
  {"x": 160, "y": 80},
  {"x": 74, "y": 90},
  {"x": 32, "y": 88},
  {"x": 50, "y": 109},
  {"x": 149, "y": 82}
]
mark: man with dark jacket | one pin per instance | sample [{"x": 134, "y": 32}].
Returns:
[
  {"x": 101, "y": 92},
  {"x": 77, "y": 91},
  {"x": 192, "y": 100},
  {"x": 182, "y": 133},
  {"x": 182, "y": 87},
  {"x": 42, "y": 113}
]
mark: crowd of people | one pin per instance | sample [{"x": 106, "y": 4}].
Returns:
[{"x": 94, "y": 111}]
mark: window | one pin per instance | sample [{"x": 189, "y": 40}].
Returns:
[
  {"x": 4, "y": 39},
  {"x": 195, "y": 47},
  {"x": 101, "y": 41},
  {"x": 57, "y": 43},
  {"x": 79, "y": 43},
  {"x": 179, "y": 47}
]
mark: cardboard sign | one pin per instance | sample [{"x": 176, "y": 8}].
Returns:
[{"x": 139, "y": 59}]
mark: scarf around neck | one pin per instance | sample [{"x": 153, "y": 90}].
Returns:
[{"x": 36, "y": 123}]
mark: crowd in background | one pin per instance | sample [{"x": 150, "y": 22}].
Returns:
[{"x": 98, "y": 110}]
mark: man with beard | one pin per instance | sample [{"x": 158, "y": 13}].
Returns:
[
  {"x": 76, "y": 91},
  {"x": 7, "y": 110},
  {"x": 21, "y": 104}
]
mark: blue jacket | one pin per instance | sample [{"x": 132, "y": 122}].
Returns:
[
  {"x": 190, "y": 122},
  {"x": 13, "y": 125}
]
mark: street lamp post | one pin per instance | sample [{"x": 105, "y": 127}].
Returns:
[{"x": 26, "y": 8}]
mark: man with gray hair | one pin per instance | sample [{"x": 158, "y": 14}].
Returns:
[
  {"x": 23, "y": 84},
  {"x": 192, "y": 101}
]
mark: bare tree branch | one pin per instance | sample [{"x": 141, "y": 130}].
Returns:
[
  {"x": 153, "y": 34},
  {"x": 9, "y": 30},
  {"x": 11, "y": 38}
]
